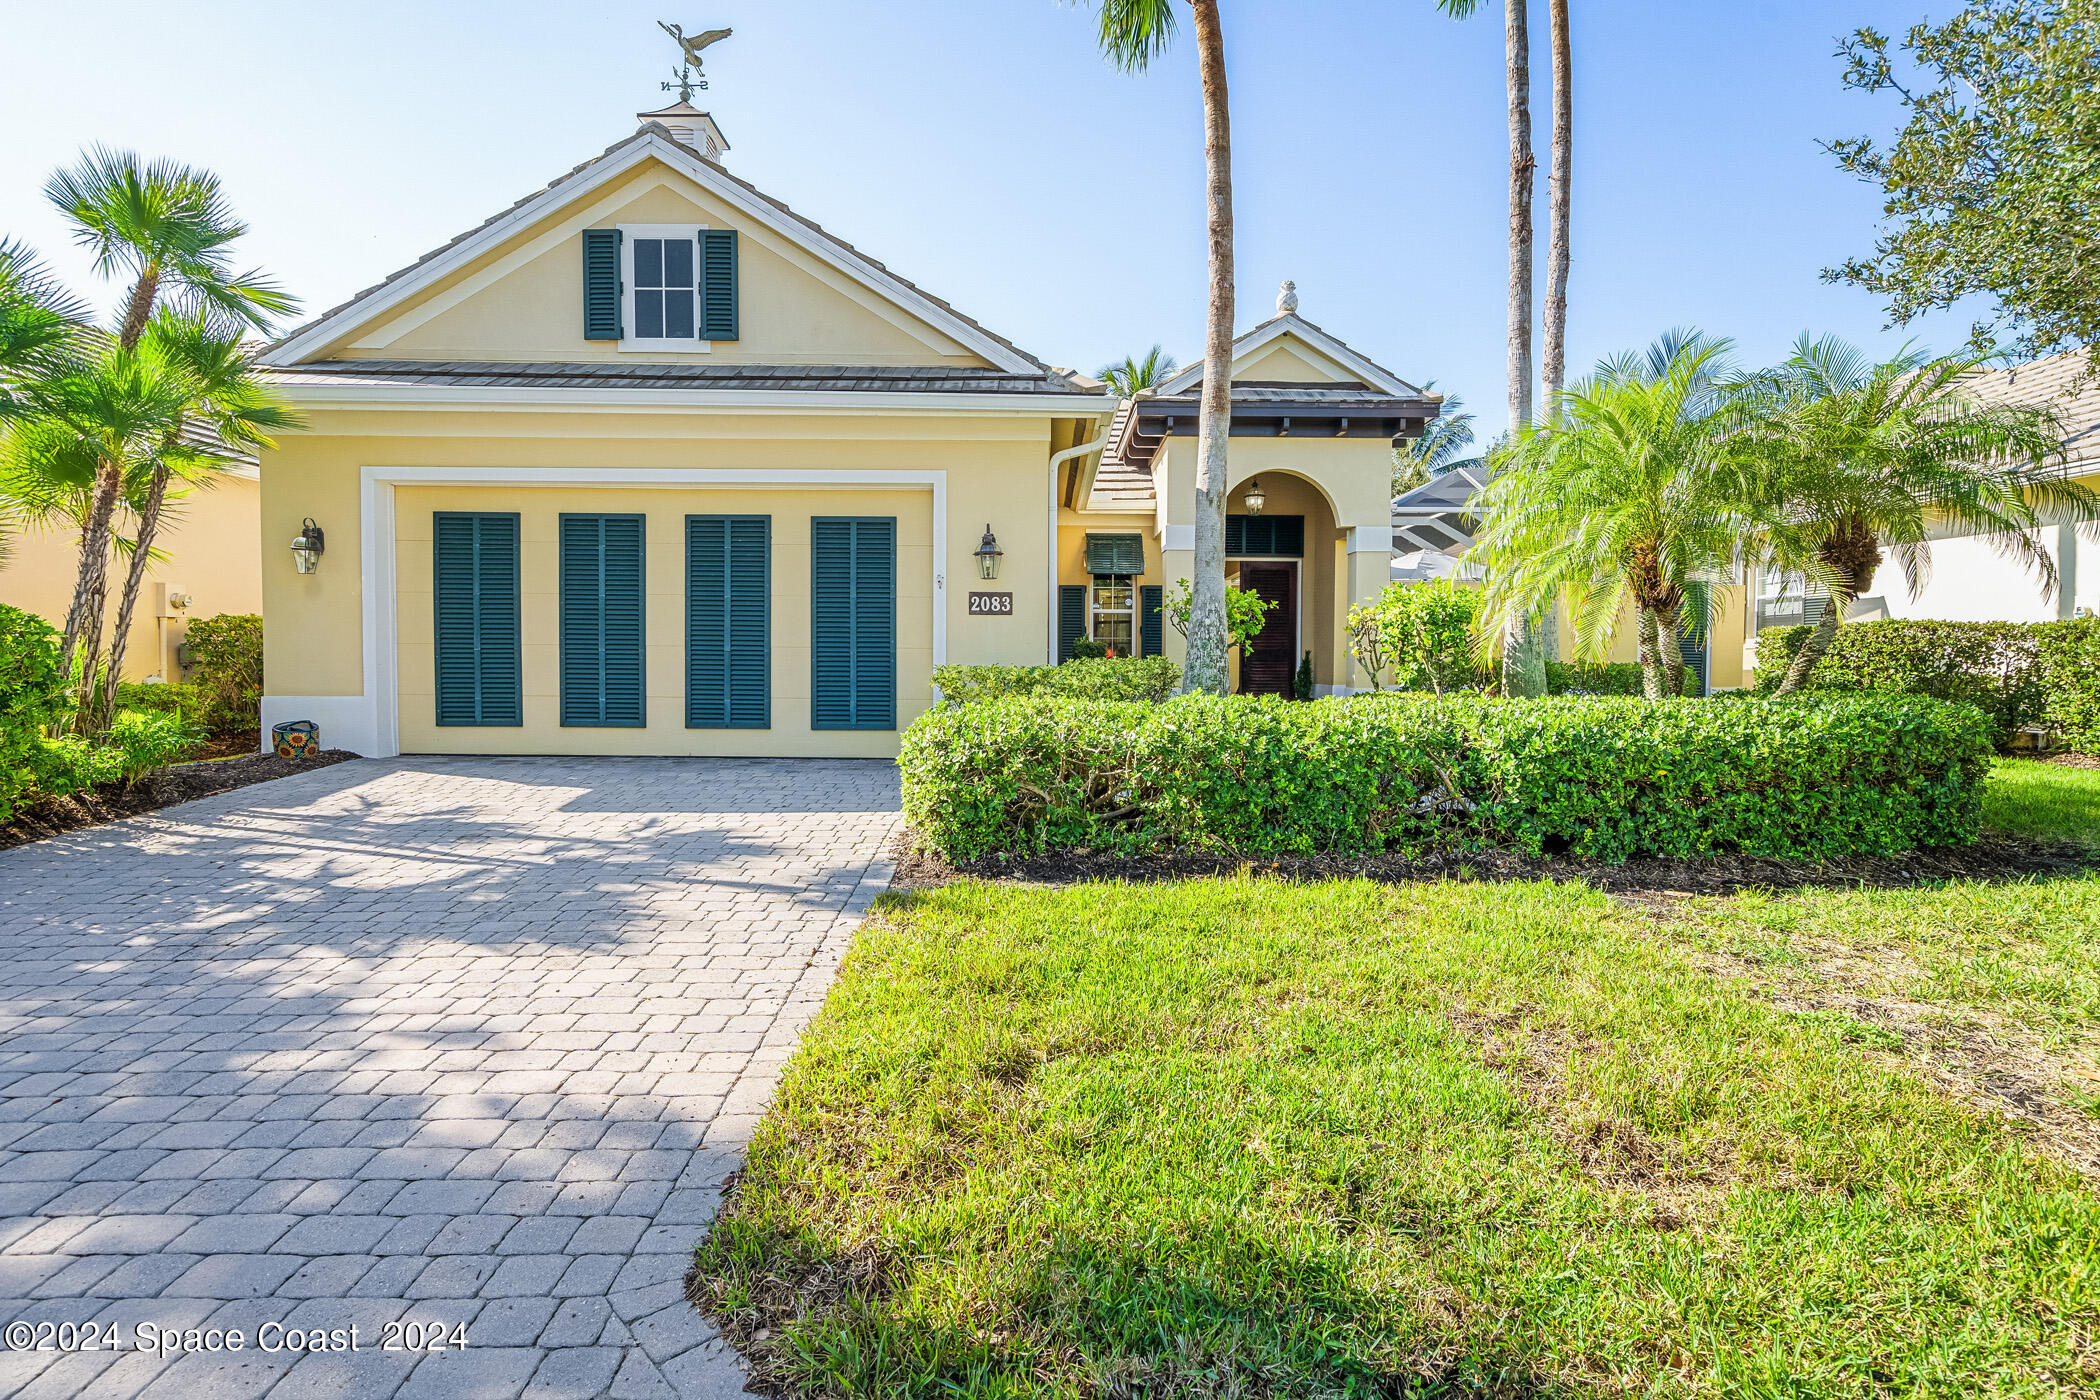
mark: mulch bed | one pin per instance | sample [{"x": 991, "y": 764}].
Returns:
[
  {"x": 185, "y": 782},
  {"x": 1990, "y": 858},
  {"x": 2074, "y": 760}
]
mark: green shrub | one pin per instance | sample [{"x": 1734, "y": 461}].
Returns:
[
  {"x": 226, "y": 664},
  {"x": 33, "y": 697},
  {"x": 1147, "y": 678},
  {"x": 183, "y": 698},
  {"x": 2043, "y": 675},
  {"x": 1594, "y": 678},
  {"x": 1599, "y": 778},
  {"x": 138, "y": 744},
  {"x": 1087, "y": 649}
]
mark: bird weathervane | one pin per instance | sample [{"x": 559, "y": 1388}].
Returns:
[{"x": 689, "y": 74}]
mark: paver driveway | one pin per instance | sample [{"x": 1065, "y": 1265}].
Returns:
[{"x": 456, "y": 1043}]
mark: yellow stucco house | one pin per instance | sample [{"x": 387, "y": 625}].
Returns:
[{"x": 648, "y": 463}]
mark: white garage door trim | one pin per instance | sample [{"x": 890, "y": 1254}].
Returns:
[{"x": 371, "y": 723}]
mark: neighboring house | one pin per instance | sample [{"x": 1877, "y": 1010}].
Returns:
[
  {"x": 209, "y": 564},
  {"x": 649, "y": 463}
]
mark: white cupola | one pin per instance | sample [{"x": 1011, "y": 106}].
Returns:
[{"x": 690, "y": 126}]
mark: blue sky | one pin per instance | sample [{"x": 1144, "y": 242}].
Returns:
[{"x": 984, "y": 149}]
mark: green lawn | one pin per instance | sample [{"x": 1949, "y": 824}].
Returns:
[
  {"x": 2028, "y": 798},
  {"x": 1234, "y": 1137}
]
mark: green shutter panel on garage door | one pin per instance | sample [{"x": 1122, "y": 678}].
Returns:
[
  {"x": 1071, "y": 618},
  {"x": 601, "y": 284},
  {"x": 474, "y": 592},
  {"x": 728, "y": 622},
  {"x": 853, "y": 622},
  {"x": 718, "y": 316},
  {"x": 1151, "y": 638},
  {"x": 601, "y": 621}
]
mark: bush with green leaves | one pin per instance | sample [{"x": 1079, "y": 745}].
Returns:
[
  {"x": 1595, "y": 678},
  {"x": 1146, "y": 678},
  {"x": 138, "y": 744},
  {"x": 2041, "y": 675},
  {"x": 34, "y": 697},
  {"x": 1604, "y": 779},
  {"x": 226, "y": 664}
]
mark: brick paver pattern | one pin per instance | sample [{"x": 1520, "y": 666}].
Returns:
[{"x": 448, "y": 1044}]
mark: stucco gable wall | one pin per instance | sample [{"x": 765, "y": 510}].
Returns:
[
  {"x": 1293, "y": 362},
  {"x": 522, "y": 300}
]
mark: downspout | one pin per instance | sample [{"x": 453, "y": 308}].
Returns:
[{"x": 1057, "y": 461}]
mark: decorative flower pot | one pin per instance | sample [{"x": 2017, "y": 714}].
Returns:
[{"x": 301, "y": 738}]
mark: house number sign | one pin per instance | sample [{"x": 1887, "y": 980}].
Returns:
[{"x": 991, "y": 604}]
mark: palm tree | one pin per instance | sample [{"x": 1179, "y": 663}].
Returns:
[
  {"x": 1865, "y": 456},
  {"x": 1523, "y": 660},
  {"x": 167, "y": 227},
  {"x": 227, "y": 414},
  {"x": 1626, "y": 500},
  {"x": 38, "y": 322},
  {"x": 1133, "y": 33},
  {"x": 1127, "y": 377},
  {"x": 1443, "y": 443},
  {"x": 110, "y": 411},
  {"x": 1554, "y": 348}
]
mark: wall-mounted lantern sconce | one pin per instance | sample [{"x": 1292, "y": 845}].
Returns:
[
  {"x": 988, "y": 554},
  {"x": 308, "y": 546},
  {"x": 1255, "y": 497}
]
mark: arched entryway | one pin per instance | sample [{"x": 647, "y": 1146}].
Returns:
[{"x": 1287, "y": 553}]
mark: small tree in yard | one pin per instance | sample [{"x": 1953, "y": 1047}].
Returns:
[
  {"x": 1422, "y": 632},
  {"x": 1245, "y": 613}
]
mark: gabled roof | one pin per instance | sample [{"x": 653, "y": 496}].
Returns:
[
  {"x": 1374, "y": 376},
  {"x": 652, "y": 141},
  {"x": 1435, "y": 515}
]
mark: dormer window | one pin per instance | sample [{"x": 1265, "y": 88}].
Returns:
[{"x": 663, "y": 287}]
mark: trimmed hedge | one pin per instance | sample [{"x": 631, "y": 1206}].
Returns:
[
  {"x": 2043, "y": 675},
  {"x": 1599, "y": 778},
  {"x": 33, "y": 697},
  {"x": 1147, "y": 678}
]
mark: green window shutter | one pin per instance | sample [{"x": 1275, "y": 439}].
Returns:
[
  {"x": 1691, "y": 648},
  {"x": 718, "y": 284},
  {"x": 474, "y": 590},
  {"x": 853, "y": 622},
  {"x": 601, "y": 284},
  {"x": 1288, "y": 536},
  {"x": 1151, "y": 639},
  {"x": 1071, "y": 618},
  {"x": 601, "y": 621},
  {"x": 728, "y": 622},
  {"x": 1115, "y": 554},
  {"x": 1235, "y": 535}
]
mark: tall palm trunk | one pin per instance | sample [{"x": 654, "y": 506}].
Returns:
[
  {"x": 1523, "y": 661},
  {"x": 1554, "y": 351},
  {"x": 134, "y": 580},
  {"x": 1852, "y": 553},
  {"x": 1207, "y": 637}
]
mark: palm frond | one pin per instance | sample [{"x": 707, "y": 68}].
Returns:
[{"x": 1134, "y": 32}]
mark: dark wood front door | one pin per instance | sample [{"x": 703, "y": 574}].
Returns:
[{"x": 1271, "y": 660}]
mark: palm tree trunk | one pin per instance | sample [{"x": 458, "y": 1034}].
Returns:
[
  {"x": 1555, "y": 350},
  {"x": 1853, "y": 553},
  {"x": 84, "y": 617},
  {"x": 1205, "y": 668},
  {"x": 138, "y": 307},
  {"x": 134, "y": 579},
  {"x": 1651, "y": 660},
  {"x": 1669, "y": 654},
  {"x": 1522, "y": 674}
]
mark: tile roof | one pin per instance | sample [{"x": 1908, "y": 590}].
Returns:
[
  {"x": 625, "y": 375},
  {"x": 1120, "y": 484},
  {"x": 2064, "y": 383},
  {"x": 658, "y": 129}
]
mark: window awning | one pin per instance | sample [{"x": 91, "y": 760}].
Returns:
[{"x": 1115, "y": 554}]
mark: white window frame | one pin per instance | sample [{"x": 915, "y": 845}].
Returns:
[
  {"x": 1094, "y": 614},
  {"x": 661, "y": 344}
]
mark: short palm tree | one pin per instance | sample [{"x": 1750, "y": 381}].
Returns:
[
  {"x": 1126, "y": 377},
  {"x": 38, "y": 323},
  {"x": 1133, "y": 33},
  {"x": 227, "y": 415},
  {"x": 1624, "y": 503},
  {"x": 166, "y": 227},
  {"x": 1863, "y": 457}
]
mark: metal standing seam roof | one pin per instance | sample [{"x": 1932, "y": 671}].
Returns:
[
  {"x": 658, "y": 129},
  {"x": 626, "y": 375}
]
